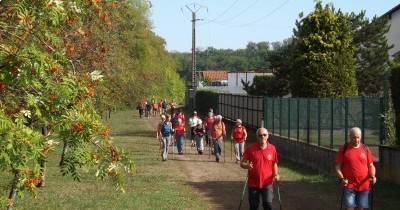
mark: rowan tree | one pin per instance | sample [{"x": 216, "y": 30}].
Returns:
[{"x": 44, "y": 99}]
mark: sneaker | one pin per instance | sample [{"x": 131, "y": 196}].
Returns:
[
  {"x": 181, "y": 153},
  {"x": 201, "y": 152},
  {"x": 217, "y": 159}
]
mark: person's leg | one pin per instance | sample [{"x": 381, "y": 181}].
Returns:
[
  {"x": 254, "y": 198},
  {"x": 362, "y": 200},
  {"x": 200, "y": 144},
  {"x": 241, "y": 150},
  {"x": 237, "y": 154},
  {"x": 164, "y": 148},
  {"x": 179, "y": 143},
  {"x": 349, "y": 199},
  {"x": 216, "y": 148},
  {"x": 267, "y": 194}
]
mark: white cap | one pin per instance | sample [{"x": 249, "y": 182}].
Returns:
[
  {"x": 239, "y": 121},
  {"x": 218, "y": 117}
]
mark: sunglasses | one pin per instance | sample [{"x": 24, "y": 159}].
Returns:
[{"x": 261, "y": 135}]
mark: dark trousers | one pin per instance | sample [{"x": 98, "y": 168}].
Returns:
[{"x": 266, "y": 194}]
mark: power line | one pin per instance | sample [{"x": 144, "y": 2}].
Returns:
[
  {"x": 238, "y": 15},
  {"x": 257, "y": 20},
  {"x": 224, "y": 12}
]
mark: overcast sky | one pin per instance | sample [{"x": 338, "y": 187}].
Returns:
[{"x": 231, "y": 24}]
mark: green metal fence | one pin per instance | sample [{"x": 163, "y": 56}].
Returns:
[{"x": 324, "y": 121}]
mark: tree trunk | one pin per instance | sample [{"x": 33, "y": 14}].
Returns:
[
  {"x": 64, "y": 151},
  {"x": 13, "y": 192},
  {"x": 42, "y": 182}
]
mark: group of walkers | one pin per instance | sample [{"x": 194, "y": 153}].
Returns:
[
  {"x": 354, "y": 161},
  {"x": 151, "y": 108},
  {"x": 211, "y": 133}
]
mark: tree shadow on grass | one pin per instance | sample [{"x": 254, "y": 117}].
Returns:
[
  {"x": 138, "y": 133},
  {"x": 294, "y": 195}
]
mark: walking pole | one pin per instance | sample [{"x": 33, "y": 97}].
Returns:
[
  {"x": 341, "y": 199},
  {"x": 243, "y": 191},
  {"x": 172, "y": 144},
  {"x": 231, "y": 148},
  {"x": 279, "y": 195},
  {"x": 224, "y": 148},
  {"x": 372, "y": 196}
]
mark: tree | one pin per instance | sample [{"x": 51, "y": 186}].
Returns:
[
  {"x": 395, "y": 93},
  {"x": 323, "y": 50},
  {"x": 44, "y": 98},
  {"x": 371, "y": 54}
]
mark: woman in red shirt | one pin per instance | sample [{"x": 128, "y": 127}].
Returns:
[
  {"x": 180, "y": 131},
  {"x": 238, "y": 137}
]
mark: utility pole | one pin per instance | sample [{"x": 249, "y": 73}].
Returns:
[{"x": 192, "y": 89}]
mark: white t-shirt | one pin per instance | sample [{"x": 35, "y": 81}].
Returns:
[{"x": 193, "y": 121}]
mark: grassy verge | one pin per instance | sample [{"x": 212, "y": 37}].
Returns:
[
  {"x": 156, "y": 185},
  {"x": 151, "y": 187}
]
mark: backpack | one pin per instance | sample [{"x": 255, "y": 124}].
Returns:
[
  {"x": 166, "y": 129},
  {"x": 164, "y": 105}
]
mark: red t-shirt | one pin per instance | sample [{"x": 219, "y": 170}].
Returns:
[
  {"x": 209, "y": 122},
  {"x": 238, "y": 133},
  {"x": 354, "y": 165},
  {"x": 181, "y": 116},
  {"x": 263, "y": 164},
  {"x": 180, "y": 128}
]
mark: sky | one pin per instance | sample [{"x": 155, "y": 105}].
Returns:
[{"x": 232, "y": 24}]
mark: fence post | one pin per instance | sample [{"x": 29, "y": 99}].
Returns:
[
  {"x": 382, "y": 110},
  {"x": 331, "y": 132},
  {"x": 298, "y": 119},
  {"x": 363, "y": 118},
  {"x": 319, "y": 121},
  {"x": 346, "y": 118},
  {"x": 265, "y": 111},
  {"x": 280, "y": 116},
  {"x": 273, "y": 115},
  {"x": 308, "y": 121},
  {"x": 288, "y": 101}
]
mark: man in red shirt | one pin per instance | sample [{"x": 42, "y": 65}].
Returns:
[
  {"x": 356, "y": 171},
  {"x": 261, "y": 159}
]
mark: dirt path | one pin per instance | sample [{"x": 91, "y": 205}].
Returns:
[{"x": 222, "y": 183}]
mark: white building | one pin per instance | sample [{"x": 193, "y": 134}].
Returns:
[
  {"x": 232, "y": 81},
  {"x": 393, "y": 35}
]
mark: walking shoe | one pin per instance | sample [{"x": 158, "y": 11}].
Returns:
[
  {"x": 200, "y": 152},
  {"x": 217, "y": 159}
]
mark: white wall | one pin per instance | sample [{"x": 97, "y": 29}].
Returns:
[
  {"x": 393, "y": 35},
  {"x": 235, "y": 85}
]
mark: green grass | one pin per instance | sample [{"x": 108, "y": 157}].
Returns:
[
  {"x": 155, "y": 186},
  {"x": 151, "y": 187}
]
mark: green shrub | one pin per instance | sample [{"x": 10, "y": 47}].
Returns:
[
  {"x": 206, "y": 99},
  {"x": 395, "y": 90}
]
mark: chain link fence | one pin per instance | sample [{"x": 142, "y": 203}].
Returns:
[{"x": 325, "y": 121}]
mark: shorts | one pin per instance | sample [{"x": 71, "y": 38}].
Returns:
[{"x": 355, "y": 199}]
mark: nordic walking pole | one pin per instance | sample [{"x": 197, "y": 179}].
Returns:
[
  {"x": 243, "y": 191},
  {"x": 224, "y": 148},
  {"x": 172, "y": 144},
  {"x": 372, "y": 196},
  {"x": 231, "y": 148},
  {"x": 341, "y": 199},
  {"x": 279, "y": 195}
]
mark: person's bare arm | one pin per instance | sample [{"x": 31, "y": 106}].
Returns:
[{"x": 342, "y": 180}]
